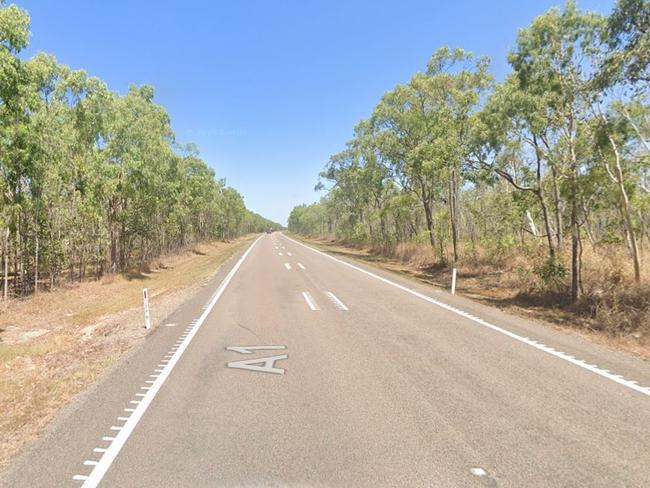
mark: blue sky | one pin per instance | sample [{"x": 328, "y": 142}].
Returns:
[{"x": 269, "y": 89}]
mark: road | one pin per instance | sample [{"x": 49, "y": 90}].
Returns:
[{"x": 366, "y": 379}]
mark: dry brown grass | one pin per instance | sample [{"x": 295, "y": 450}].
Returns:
[
  {"x": 613, "y": 310},
  {"x": 54, "y": 345}
]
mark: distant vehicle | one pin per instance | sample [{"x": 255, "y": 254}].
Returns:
[{"x": 268, "y": 231}]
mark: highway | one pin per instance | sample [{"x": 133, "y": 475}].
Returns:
[{"x": 297, "y": 368}]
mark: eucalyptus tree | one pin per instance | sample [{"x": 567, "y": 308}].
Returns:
[
  {"x": 14, "y": 114},
  {"x": 511, "y": 140},
  {"x": 551, "y": 61},
  {"x": 93, "y": 179},
  {"x": 424, "y": 128}
]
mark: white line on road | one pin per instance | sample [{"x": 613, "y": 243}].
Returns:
[
  {"x": 279, "y": 254},
  {"x": 113, "y": 450},
  {"x": 337, "y": 303},
  {"x": 288, "y": 254},
  {"x": 250, "y": 349},
  {"x": 310, "y": 300},
  {"x": 301, "y": 266},
  {"x": 525, "y": 340},
  {"x": 287, "y": 265}
]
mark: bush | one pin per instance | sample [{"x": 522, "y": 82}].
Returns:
[{"x": 551, "y": 273}]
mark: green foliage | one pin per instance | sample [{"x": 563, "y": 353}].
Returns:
[
  {"x": 451, "y": 159},
  {"x": 552, "y": 274},
  {"x": 91, "y": 180}
]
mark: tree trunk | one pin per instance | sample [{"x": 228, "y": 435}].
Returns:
[
  {"x": 453, "y": 215},
  {"x": 5, "y": 290},
  {"x": 36, "y": 266},
  {"x": 558, "y": 210},
  {"x": 575, "y": 228},
  {"x": 625, "y": 210}
]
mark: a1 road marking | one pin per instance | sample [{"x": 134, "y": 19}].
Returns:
[{"x": 260, "y": 365}]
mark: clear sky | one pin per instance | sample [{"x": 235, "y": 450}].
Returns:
[{"x": 268, "y": 89}]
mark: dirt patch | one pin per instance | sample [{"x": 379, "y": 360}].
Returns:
[{"x": 55, "y": 345}]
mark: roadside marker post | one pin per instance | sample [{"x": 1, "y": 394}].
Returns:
[
  {"x": 453, "y": 281},
  {"x": 147, "y": 316}
]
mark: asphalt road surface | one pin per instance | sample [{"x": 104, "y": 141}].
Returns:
[{"x": 295, "y": 368}]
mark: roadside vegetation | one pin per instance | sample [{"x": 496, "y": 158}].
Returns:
[
  {"x": 48, "y": 358},
  {"x": 93, "y": 181},
  {"x": 536, "y": 188},
  {"x": 97, "y": 201}
]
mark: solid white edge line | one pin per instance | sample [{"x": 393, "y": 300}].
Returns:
[
  {"x": 539, "y": 346},
  {"x": 113, "y": 450},
  {"x": 310, "y": 301},
  {"x": 336, "y": 301}
]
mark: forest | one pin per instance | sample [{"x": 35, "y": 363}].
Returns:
[
  {"x": 547, "y": 170},
  {"x": 93, "y": 181}
]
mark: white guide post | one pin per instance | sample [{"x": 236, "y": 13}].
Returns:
[
  {"x": 147, "y": 316},
  {"x": 453, "y": 281}
]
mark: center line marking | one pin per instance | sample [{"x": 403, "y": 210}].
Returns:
[
  {"x": 98, "y": 472},
  {"x": 301, "y": 266},
  {"x": 337, "y": 303},
  {"x": 287, "y": 265},
  {"x": 633, "y": 385},
  {"x": 310, "y": 300}
]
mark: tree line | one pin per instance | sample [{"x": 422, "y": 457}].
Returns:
[
  {"x": 559, "y": 150},
  {"x": 92, "y": 181}
]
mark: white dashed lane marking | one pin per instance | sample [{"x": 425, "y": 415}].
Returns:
[
  {"x": 311, "y": 303},
  {"x": 633, "y": 385},
  {"x": 337, "y": 303}
]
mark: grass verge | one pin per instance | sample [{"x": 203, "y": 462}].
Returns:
[{"x": 55, "y": 345}]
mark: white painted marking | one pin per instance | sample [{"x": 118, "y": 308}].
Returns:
[
  {"x": 301, "y": 266},
  {"x": 129, "y": 409},
  {"x": 170, "y": 325},
  {"x": 251, "y": 349},
  {"x": 79, "y": 477},
  {"x": 279, "y": 254},
  {"x": 111, "y": 453},
  {"x": 288, "y": 266},
  {"x": 337, "y": 303},
  {"x": 123, "y": 419},
  {"x": 253, "y": 364},
  {"x": 105, "y": 438},
  {"x": 99, "y": 449},
  {"x": 541, "y": 347},
  {"x": 478, "y": 471},
  {"x": 288, "y": 254},
  {"x": 115, "y": 427},
  {"x": 88, "y": 462},
  {"x": 310, "y": 300}
]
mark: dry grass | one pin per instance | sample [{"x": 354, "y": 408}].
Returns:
[
  {"x": 612, "y": 310},
  {"x": 56, "y": 344}
]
